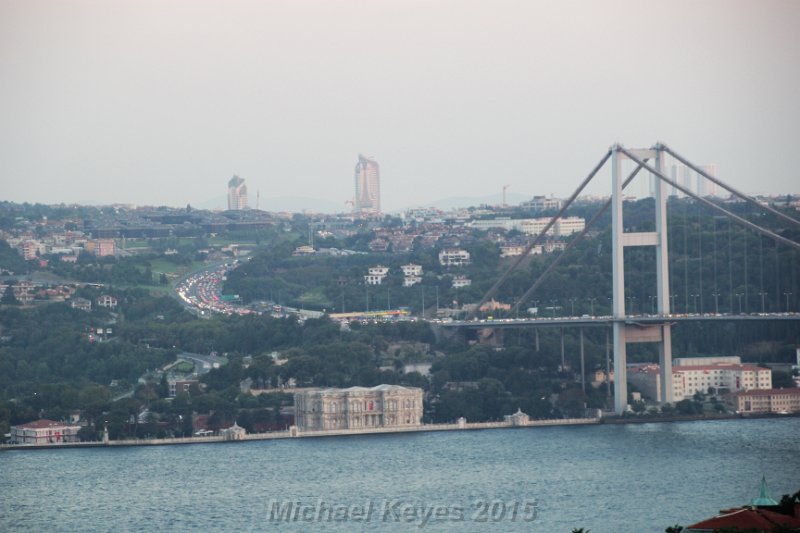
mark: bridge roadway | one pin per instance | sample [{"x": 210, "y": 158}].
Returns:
[{"x": 608, "y": 320}]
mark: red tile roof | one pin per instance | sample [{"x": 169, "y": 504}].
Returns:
[
  {"x": 721, "y": 366},
  {"x": 747, "y": 518},
  {"x": 42, "y": 424}
]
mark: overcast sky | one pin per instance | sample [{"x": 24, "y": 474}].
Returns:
[{"x": 160, "y": 102}]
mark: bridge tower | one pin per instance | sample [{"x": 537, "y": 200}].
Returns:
[{"x": 624, "y": 332}]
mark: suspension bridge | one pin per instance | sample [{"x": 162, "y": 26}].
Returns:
[{"x": 627, "y": 327}]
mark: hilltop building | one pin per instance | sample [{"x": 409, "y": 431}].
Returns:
[
  {"x": 237, "y": 194},
  {"x": 383, "y": 406},
  {"x": 368, "y": 187}
]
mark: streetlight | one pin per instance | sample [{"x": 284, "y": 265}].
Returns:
[
  {"x": 787, "y": 294},
  {"x": 739, "y": 295},
  {"x": 631, "y": 300},
  {"x": 716, "y": 302},
  {"x": 672, "y": 302},
  {"x": 652, "y": 304},
  {"x": 572, "y": 307},
  {"x": 762, "y": 294},
  {"x": 553, "y": 307},
  {"x": 694, "y": 296},
  {"x": 591, "y": 303}
]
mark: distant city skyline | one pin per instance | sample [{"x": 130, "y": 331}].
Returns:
[
  {"x": 367, "y": 199},
  {"x": 129, "y": 102},
  {"x": 237, "y": 194}
]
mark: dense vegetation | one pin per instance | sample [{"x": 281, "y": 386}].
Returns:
[{"x": 50, "y": 364}]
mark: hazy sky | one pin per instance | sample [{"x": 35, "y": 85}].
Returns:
[{"x": 160, "y": 102}]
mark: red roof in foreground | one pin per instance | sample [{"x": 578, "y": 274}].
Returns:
[{"x": 747, "y": 518}]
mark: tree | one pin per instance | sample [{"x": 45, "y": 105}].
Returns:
[{"x": 9, "y": 298}]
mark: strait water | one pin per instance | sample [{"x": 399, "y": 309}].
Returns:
[{"x": 607, "y": 478}]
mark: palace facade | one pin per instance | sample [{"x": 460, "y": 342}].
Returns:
[{"x": 382, "y": 406}]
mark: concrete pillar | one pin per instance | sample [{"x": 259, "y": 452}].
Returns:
[
  {"x": 583, "y": 364},
  {"x": 608, "y": 366},
  {"x": 618, "y": 285},
  {"x": 662, "y": 283}
]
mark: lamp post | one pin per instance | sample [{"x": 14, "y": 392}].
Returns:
[
  {"x": 553, "y": 307},
  {"x": 631, "y": 300},
  {"x": 672, "y": 302},
  {"x": 694, "y": 297},
  {"x": 763, "y": 307},
  {"x": 716, "y": 302},
  {"x": 572, "y": 307},
  {"x": 652, "y": 304},
  {"x": 591, "y": 304},
  {"x": 787, "y": 294},
  {"x": 739, "y": 295}
]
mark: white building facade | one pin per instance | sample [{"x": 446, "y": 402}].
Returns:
[{"x": 382, "y": 406}]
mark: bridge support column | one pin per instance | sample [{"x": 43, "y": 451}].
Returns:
[
  {"x": 583, "y": 365},
  {"x": 618, "y": 284},
  {"x": 620, "y": 369},
  {"x": 665, "y": 364},
  {"x": 608, "y": 366},
  {"x": 619, "y": 240}
]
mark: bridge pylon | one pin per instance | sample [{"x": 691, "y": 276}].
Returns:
[{"x": 624, "y": 332}]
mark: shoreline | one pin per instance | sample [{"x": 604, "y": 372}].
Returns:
[{"x": 294, "y": 433}]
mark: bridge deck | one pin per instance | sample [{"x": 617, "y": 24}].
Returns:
[{"x": 607, "y": 320}]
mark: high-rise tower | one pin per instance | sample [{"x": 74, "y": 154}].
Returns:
[
  {"x": 237, "y": 194},
  {"x": 368, "y": 187}
]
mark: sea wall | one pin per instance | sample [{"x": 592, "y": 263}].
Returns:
[{"x": 293, "y": 432}]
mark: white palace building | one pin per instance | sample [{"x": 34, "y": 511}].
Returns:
[{"x": 382, "y": 406}]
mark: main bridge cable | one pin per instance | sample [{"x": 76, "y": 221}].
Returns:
[
  {"x": 572, "y": 243},
  {"x": 712, "y": 205},
  {"x": 725, "y": 186},
  {"x": 491, "y": 292}
]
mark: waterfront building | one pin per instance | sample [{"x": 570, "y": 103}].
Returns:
[
  {"x": 44, "y": 431},
  {"x": 690, "y": 379},
  {"x": 368, "y": 187},
  {"x": 383, "y": 406},
  {"x": 235, "y": 432},
  {"x": 765, "y": 401},
  {"x": 237, "y": 194}
]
